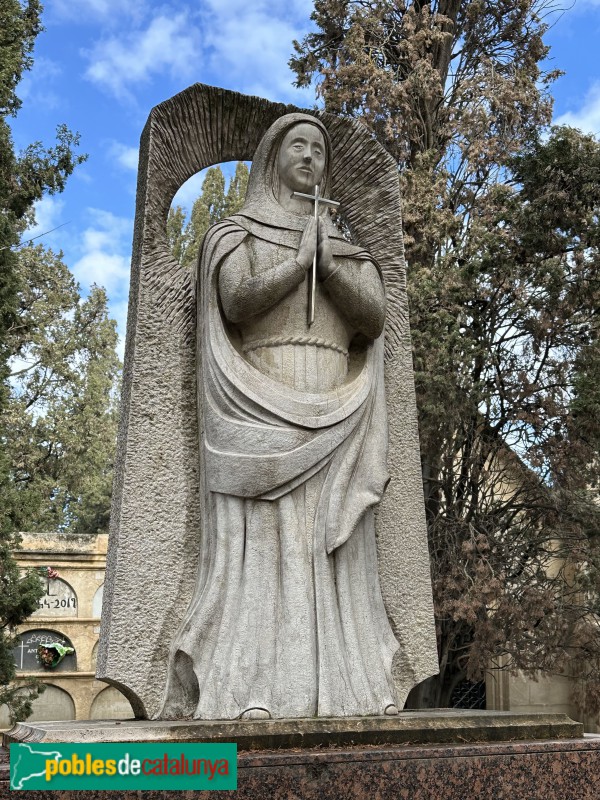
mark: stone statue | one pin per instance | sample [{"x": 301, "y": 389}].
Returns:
[
  {"x": 257, "y": 502},
  {"x": 287, "y": 619}
]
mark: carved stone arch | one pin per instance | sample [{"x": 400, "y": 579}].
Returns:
[
  {"x": 155, "y": 533},
  {"x": 203, "y": 126},
  {"x": 54, "y": 703}
]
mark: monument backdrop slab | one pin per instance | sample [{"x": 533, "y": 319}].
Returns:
[{"x": 156, "y": 537}]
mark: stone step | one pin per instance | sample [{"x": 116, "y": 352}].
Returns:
[{"x": 441, "y": 726}]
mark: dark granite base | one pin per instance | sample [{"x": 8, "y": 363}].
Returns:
[{"x": 548, "y": 770}]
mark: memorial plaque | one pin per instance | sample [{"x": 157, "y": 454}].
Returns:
[
  {"x": 26, "y": 652},
  {"x": 59, "y": 600}
]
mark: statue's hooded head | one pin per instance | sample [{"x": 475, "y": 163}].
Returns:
[{"x": 263, "y": 184}]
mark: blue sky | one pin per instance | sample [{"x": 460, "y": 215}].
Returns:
[{"x": 101, "y": 65}]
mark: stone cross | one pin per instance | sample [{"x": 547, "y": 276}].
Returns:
[
  {"x": 21, "y": 647},
  {"x": 316, "y": 198}
]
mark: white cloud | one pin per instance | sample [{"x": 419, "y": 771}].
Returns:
[
  {"x": 253, "y": 45},
  {"x": 104, "y": 257},
  {"x": 105, "y": 253},
  {"x": 169, "y": 43},
  {"x": 48, "y": 215},
  {"x": 36, "y": 85},
  {"x": 104, "y": 269},
  {"x": 126, "y": 156},
  {"x": 587, "y": 118},
  {"x": 243, "y": 45}
]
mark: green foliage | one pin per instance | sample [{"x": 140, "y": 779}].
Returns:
[
  {"x": 194, "y": 232},
  {"x": 62, "y": 419},
  {"x": 40, "y": 170},
  {"x": 502, "y": 243},
  {"x": 18, "y": 599},
  {"x": 19, "y": 27},
  {"x": 213, "y": 205},
  {"x": 175, "y": 232},
  {"x": 236, "y": 191},
  {"x": 62, "y": 412},
  {"x": 24, "y": 178},
  {"x": 213, "y": 194},
  {"x": 585, "y": 410}
]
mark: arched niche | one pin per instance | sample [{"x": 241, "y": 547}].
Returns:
[
  {"x": 111, "y": 704},
  {"x": 97, "y": 602},
  {"x": 26, "y": 656},
  {"x": 59, "y": 599},
  {"x": 53, "y": 704}
]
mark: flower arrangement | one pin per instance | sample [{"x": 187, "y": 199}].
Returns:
[
  {"x": 47, "y": 572},
  {"x": 50, "y": 655}
]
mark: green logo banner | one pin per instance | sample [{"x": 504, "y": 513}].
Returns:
[{"x": 123, "y": 766}]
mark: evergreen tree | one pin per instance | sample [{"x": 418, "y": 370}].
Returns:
[
  {"x": 210, "y": 207},
  {"x": 175, "y": 232},
  {"x": 502, "y": 244},
  {"x": 19, "y": 595},
  {"x": 236, "y": 192},
  {"x": 62, "y": 411},
  {"x": 24, "y": 178},
  {"x": 213, "y": 194},
  {"x": 194, "y": 231}
]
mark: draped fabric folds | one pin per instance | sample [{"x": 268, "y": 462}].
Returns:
[{"x": 287, "y": 614}]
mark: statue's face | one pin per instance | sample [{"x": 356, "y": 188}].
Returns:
[{"x": 301, "y": 160}]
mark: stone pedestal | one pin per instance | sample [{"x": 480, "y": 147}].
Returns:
[
  {"x": 437, "y": 726},
  {"x": 436, "y": 755}
]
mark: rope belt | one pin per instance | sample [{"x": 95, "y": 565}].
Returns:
[{"x": 278, "y": 342}]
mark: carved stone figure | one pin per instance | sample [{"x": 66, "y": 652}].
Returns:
[
  {"x": 287, "y": 619},
  {"x": 254, "y": 569}
]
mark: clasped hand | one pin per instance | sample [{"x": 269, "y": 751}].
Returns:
[{"x": 315, "y": 238}]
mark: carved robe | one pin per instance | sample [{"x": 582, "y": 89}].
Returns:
[{"x": 287, "y": 614}]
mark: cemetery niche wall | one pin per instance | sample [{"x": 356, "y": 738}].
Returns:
[{"x": 72, "y": 569}]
